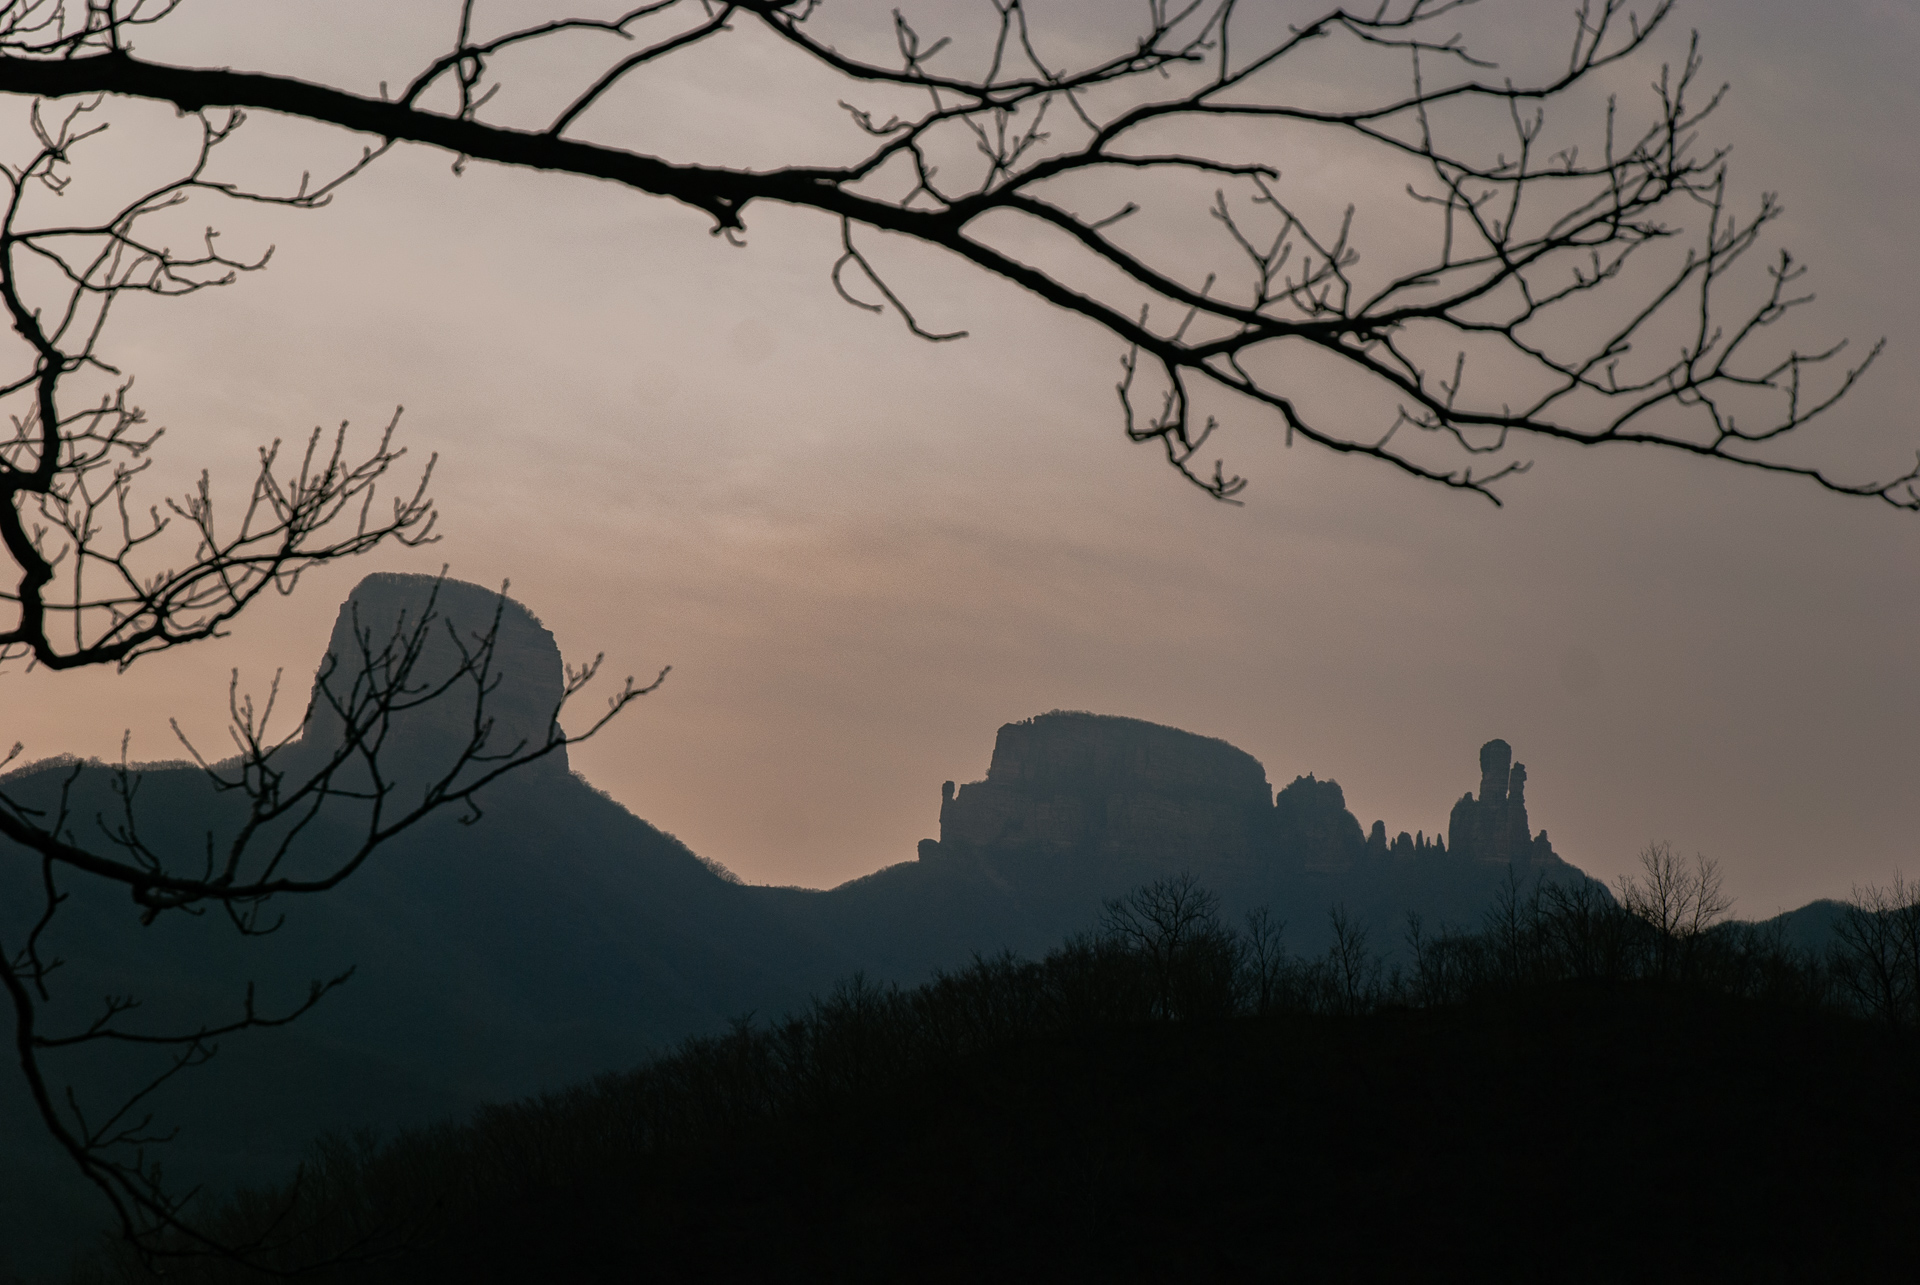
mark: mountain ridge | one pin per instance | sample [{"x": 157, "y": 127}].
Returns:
[{"x": 563, "y": 936}]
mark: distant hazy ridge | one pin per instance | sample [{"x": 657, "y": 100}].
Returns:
[{"x": 562, "y": 936}]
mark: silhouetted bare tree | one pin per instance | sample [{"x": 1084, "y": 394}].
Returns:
[
  {"x": 100, "y": 582},
  {"x": 1677, "y": 901},
  {"x": 1350, "y": 976},
  {"x": 1265, "y": 962},
  {"x": 1587, "y": 932},
  {"x": 1877, "y": 955},
  {"x": 1173, "y": 926}
]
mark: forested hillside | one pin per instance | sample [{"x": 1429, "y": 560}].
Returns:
[{"x": 1573, "y": 1093}]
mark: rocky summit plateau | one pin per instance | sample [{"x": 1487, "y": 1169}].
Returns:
[
  {"x": 1077, "y": 807},
  {"x": 1130, "y": 793},
  {"x": 562, "y": 936}
]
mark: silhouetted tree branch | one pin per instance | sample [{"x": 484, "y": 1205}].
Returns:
[
  {"x": 1564, "y": 297},
  {"x": 68, "y": 471},
  {"x": 284, "y": 785},
  {"x": 98, "y": 581}
]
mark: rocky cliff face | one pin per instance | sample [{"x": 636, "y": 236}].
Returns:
[
  {"x": 1313, "y": 829},
  {"x": 526, "y": 669},
  {"x": 1092, "y": 784},
  {"x": 1066, "y": 784},
  {"x": 1494, "y": 827}
]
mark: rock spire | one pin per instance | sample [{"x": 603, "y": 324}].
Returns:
[{"x": 1493, "y": 827}]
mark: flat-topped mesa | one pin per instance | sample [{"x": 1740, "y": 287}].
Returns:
[
  {"x": 1070, "y": 782},
  {"x": 526, "y": 671},
  {"x": 1075, "y": 785},
  {"x": 1494, "y": 826}
]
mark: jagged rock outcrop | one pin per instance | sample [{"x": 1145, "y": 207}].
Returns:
[
  {"x": 1118, "y": 788},
  {"x": 1493, "y": 828},
  {"x": 1312, "y": 827},
  {"x": 1122, "y": 789}
]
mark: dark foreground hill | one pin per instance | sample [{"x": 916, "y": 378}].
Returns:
[
  {"x": 1595, "y": 1137},
  {"x": 562, "y": 937},
  {"x": 1119, "y": 1112}
]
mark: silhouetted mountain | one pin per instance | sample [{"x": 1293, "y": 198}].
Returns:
[
  {"x": 1811, "y": 926},
  {"x": 526, "y": 674},
  {"x": 1078, "y": 807},
  {"x": 561, "y": 936}
]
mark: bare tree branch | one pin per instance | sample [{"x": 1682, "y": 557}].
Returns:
[
  {"x": 1526, "y": 238},
  {"x": 339, "y": 767}
]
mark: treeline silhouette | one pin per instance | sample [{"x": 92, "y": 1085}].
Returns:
[{"x": 1587, "y": 1086}]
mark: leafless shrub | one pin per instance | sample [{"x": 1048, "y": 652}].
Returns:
[{"x": 1876, "y": 960}]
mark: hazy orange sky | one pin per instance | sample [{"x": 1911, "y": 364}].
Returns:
[{"x": 863, "y": 553}]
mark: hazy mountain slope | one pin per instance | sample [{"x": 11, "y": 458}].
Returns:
[
  {"x": 560, "y": 937},
  {"x": 1811, "y": 926},
  {"x": 563, "y": 936}
]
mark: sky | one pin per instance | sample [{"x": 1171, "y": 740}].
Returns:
[{"x": 862, "y": 553}]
